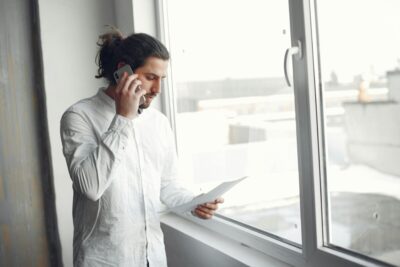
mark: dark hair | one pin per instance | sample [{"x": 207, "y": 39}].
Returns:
[{"x": 133, "y": 50}]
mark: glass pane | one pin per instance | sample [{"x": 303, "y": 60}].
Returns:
[
  {"x": 235, "y": 114},
  {"x": 360, "y": 56}
]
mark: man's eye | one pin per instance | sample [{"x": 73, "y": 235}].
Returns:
[{"x": 150, "y": 77}]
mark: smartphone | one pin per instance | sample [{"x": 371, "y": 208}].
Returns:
[{"x": 120, "y": 72}]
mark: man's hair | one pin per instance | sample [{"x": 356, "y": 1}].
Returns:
[{"x": 133, "y": 50}]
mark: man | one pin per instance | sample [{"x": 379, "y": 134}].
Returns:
[{"x": 122, "y": 161}]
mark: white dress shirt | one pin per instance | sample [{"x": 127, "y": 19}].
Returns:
[{"x": 121, "y": 171}]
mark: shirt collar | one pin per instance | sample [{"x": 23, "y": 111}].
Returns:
[{"x": 106, "y": 99}]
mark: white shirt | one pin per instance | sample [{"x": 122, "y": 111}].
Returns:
[{"x": 121, "y": 170}]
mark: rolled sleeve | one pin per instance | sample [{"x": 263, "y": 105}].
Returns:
[{"x": 92, "y": 163}]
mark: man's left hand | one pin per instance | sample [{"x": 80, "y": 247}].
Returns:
[{"x": 207, "y": 210}]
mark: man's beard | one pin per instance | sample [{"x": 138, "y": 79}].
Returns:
[{"x": 147, "y": 103}]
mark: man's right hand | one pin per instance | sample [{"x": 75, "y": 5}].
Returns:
[{"x": 126, "y": 97}]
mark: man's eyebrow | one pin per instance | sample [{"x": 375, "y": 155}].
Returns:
[{"x": 151, "y": 73}]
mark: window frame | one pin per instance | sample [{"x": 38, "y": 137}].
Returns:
[{"x": 311, "y": 154}]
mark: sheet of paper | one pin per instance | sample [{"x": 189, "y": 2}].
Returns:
[{"x": 208, "y": 197}]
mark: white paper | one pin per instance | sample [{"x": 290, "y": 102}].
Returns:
[{"x": 208, "y": 197}]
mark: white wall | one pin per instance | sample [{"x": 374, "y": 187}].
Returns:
[{"x": 69, "y": 31}]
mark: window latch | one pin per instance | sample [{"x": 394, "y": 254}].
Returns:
[{"x": 295, "y": 50}]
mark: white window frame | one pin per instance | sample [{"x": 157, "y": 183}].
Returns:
[{"x": 311, "y": 154}]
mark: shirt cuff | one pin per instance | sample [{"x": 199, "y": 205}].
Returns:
[
  {"x": 121, "y": 126},
  {"x": 119, "y": 123}
]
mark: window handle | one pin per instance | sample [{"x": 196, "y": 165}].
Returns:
[{"x": 295, "y": 50}]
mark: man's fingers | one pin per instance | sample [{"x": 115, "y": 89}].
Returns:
[
  {"x": 202, "y": 214},
  {"x": 121, "y": 82},
  {"x": 141, "y": 92},
  {"x": 206, "y": 210},
  {"x": 127, "y": 83},
  {"x": 211, "y": 205},
  {"x": 214, "y": 205},
  {"x": 219, "y": 200},
  {"x": 131, "y": 84},
  {"x": 134, "y": 87}
]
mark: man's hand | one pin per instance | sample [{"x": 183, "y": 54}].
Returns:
[
  {"x": 127, "y": 95},
  {"x": 207, "y": 210}
]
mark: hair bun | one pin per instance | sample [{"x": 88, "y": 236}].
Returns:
[
  {"x": 112, "y": 37},
  {"x": 109, "y": 43}
]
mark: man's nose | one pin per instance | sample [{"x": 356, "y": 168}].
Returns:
[{"x": 156, "y": 87}]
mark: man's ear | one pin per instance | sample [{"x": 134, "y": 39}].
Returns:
[{"x": 120, "y": 64}]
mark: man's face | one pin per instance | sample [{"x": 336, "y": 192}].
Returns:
[{"x": 151, "y": 74}]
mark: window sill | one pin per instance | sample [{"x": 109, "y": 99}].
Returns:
[{"x": 225, "y": 245}]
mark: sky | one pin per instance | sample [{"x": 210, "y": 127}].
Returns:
[{"x": 228, "y": 39}]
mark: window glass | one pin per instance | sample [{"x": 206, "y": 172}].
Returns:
[
  {"x": 360, "y": 68},
  {"x": 235, "y": 114}
]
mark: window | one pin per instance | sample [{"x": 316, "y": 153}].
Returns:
[
  {"x": 235, "y": 114},
  {"x": 323, "y": 184},
  {"x": 361, "y": 87}
]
